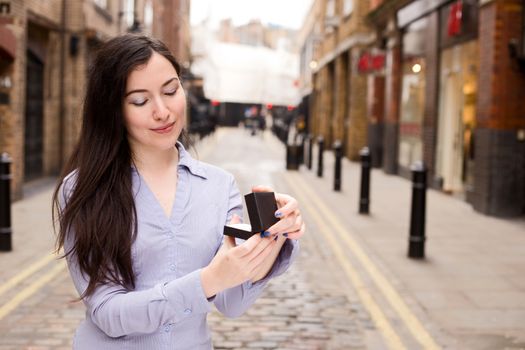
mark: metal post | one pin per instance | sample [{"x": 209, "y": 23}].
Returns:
[
  {"x": 320, "y": 141},
  {"x": 301, "y": 148},
  {"x": 292, "y": 157},
  {"x": 366, "y": 164},
  {"x": 338, "y": 151},
  {"x": 416, "y": 247},
  {"x": 310, "y": 151},
  {"x": 5, "y": 203}
]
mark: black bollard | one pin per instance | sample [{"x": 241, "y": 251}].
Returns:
[
  {"x": 320, "y": 141},
  {"x": 5, "y": 203},
  {"x": 292, "y": 157},
  {"x": 310, "y": 151},
  {"x": 301, "y": 149},
  {"x": 364, "y": 197},
  {"x": 416, "y": 247},
  {"x": 338, "y": 151}
]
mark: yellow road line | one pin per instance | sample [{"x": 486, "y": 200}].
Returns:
[
  {"x": 30, "y": 290},
  {"x": 26, "y": 273},
  {"x": 412, "y": 322},
  {"x": 392, "y": 339}
]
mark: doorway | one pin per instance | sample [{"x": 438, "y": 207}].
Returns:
[
  {"x": 457, "y": 117},
  {"x": 34, "y": 113}
]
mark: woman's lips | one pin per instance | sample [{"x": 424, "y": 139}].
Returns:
[{"x": 164, "y": 129}]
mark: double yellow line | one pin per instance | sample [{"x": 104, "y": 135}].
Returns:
[
  {"x": 31, "y": 289},
  {"x": 327, "y": 223}
]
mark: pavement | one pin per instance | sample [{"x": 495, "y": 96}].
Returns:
[{"x": 352, "y": 287}]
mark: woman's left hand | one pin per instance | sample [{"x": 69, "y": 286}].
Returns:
[{"x": 291, "y": 223}]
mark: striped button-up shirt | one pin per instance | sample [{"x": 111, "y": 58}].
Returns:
[{"x": 168, "y": 307}]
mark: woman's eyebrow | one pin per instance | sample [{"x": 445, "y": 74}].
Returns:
[{"x": 144, "y": 90}]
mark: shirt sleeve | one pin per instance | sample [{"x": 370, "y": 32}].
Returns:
[
  {"x": 233, "y": 302},
  {"x": 118, "y": 311}
]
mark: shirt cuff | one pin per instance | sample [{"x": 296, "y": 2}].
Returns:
[{"x": 186, "y": 295}]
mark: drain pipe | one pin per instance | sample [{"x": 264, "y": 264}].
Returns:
[{"x": 62, "y": 104}]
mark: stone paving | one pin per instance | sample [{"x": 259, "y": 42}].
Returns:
[
  {"x": 468, "y": 293},
  {"x": 307, "y": 308}
]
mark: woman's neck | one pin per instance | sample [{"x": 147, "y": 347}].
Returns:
[{"x": 153, "y": 161}]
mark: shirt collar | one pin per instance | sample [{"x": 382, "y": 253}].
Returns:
[{"x": 186, "y": 160}]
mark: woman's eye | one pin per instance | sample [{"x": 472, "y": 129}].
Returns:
[
  {"x": 171, "y": 92},
  {"x": 139, "y": 102}
]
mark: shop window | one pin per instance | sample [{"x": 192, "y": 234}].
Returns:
[
  {"x": 412, "y": 108},
  {"x": 412, "y": 94},
  {"x": 457, "y": 116}
]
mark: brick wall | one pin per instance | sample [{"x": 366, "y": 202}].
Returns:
[
  {"x": 499, "y": 182},
  {"x": 341, "y": 97},
  {"x": 83, "y": 19},
  {"x": 375, "y": 112},
  {"x": 430, "y": 116},
  {"x": 392, "y": 98},
  {"x": 499, "y": 168},
  {"x": 500, "y": 102},
  {"x": 358, "y": 121}
]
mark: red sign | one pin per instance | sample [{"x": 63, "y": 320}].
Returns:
[
  {"x": 454, "y": 19},
  {"x": 215, "y": 103},
  {"x": 369, "y": 63}
]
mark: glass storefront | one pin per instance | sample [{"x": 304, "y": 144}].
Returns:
[
  {"x": 457, "y": 116},
  {"x": 412, "y": 94}
]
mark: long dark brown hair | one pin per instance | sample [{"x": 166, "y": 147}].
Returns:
[{"x": 99, "y": 218}]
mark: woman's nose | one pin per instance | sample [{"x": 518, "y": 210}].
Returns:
[{"x": 160, "y": 111}]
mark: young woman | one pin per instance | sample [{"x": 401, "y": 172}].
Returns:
[{"x": 141, "y": 221}]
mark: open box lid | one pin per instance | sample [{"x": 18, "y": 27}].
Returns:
[{"x": 261, "y": 208}]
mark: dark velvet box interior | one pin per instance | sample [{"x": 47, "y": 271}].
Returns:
[{"x": 261, "y": 208}]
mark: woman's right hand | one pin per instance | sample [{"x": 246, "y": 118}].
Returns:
[{"x": 235, "y": 264}]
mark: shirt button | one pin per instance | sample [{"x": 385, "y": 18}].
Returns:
[
  {"x": 167, "y": 328},
  {"x": 187, "y": 311},
  {"x": 172, "y": 267}
]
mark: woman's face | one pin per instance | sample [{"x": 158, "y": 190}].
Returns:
[{"x": 154, "y": 105}]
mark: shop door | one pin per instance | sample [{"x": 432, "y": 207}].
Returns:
[
  {"x": 452, "y": 135},
  {"x": 33, "y": 138},
  {"x": 457, "y": 117}
]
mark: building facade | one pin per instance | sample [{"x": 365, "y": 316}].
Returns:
[
  {"x": 454, "y": 81},
  {"x": 440, "y": 82},
  {"x": 333, "y": 38},
  {"x": 45, "y": 51},
  {"x": 255, "y": 33}
]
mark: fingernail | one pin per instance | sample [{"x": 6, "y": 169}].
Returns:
[
  {"x": 285, "y": 234},
  {"x": 265, "y": 234},
  {"x": 278, "y": 214}
]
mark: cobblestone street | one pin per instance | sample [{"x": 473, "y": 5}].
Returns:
[
  {"x": 352, "y": 286},
  {"x": 306, "y": 308}
]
